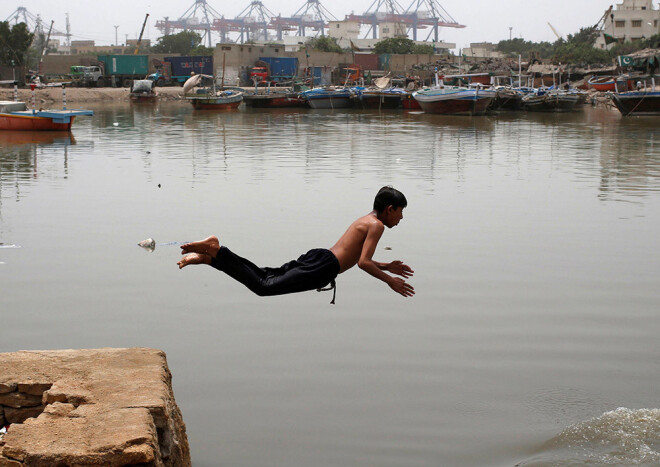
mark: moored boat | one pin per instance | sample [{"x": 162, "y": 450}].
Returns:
[
  {"x": 507, "y": 98},
  {"x": 15, "y": 116},
  {"x": 328, "y": 98},
  {"x": 274, "y": 100},
  {"x": 408, "y": 102},
  {"x": 637, "y": 102},
  {"x": 544, "y": 100},
  {"x": 602, "y": 83},
  {"x": 378, "y": 98},
  {"x": 227, "y": 99},
  {"x": 454, "y": 100},
  {"x": 142, "y": 90}
]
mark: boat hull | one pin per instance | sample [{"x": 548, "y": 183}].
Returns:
[
  {"x": 470, "y": 105},
  {"x": 637, "y": 103},
  {"x": 222, "y": 102},
  {"x": 507, "y": 100},
  {"x": 211, "y": 105},
  {"x": 340, "y": 102},
  {"x": 270, "y": 101},
  {"x": 143, "y": 98},
  {"x": 551, "y": 103},
  {"x": 25, "y": 123},
  {"x": 408, "y": 102},
  {"x": 378, "y": 101}
]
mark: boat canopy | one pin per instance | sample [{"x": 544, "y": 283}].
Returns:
[{"x": 11, "y": 106}]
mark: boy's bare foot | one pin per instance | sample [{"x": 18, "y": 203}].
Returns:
[
  {"x": 208, "y": 246},
  {"x": 194, "y": 258}
]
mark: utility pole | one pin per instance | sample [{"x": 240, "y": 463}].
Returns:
[{"x": 116, "y": 40}]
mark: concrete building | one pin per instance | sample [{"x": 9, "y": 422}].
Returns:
[
  {"x": 631, "y": 20},
  {"x": 482, "y": 50}
]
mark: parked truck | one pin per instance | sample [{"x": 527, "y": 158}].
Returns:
[
  {"x": 87, "y": 76},
  {"x": 121, "y": 70},
  {"x": 176, "y": 70},
  {"x": 279, "y": 69}
]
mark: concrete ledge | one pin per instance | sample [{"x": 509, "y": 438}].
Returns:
[{"x": 109, "y": 407}]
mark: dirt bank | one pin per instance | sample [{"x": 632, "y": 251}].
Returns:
[{"x": 74, "y": 95}]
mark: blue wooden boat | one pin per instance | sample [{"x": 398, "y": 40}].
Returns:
[{"x": 328, "y": 98}]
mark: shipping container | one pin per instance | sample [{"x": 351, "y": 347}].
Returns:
[
  {"x": 137, "y": 65},
  {"x": 121, "y": 70},
  {"x": 367, "y": 61},
  {"x": 182, "y": 67},
  {"x": 281, "y": 68}
]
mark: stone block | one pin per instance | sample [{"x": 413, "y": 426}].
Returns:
[
  {"x": 7, "y": 387},
  {"x": 106, "y": 407},
  {"x": 20, "y": 415},
  {"x": 18, "y": 400},
  {"x": 34, "y": 388}
]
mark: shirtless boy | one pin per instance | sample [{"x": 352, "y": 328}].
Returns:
[{"x": 319, "y": 267}]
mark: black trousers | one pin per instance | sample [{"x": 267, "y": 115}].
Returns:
[{"x": 313, "y": 270}]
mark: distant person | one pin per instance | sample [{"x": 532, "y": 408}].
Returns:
[{"x": 319, "y": 267}]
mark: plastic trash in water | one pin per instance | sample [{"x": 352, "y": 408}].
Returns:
[
  {"x": 148, "y": 244},
  {"x": 9, "y": 245}
]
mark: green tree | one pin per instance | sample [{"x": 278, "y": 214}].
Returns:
[
  {"x": 324, "y": 44},
  {"x": 579, "y": 48},
  {"x": 518, "y": 46},
  {"x": 182, "y": 43},
  {"x": 423, "y": 49},
  {"x": 201, "y": 50},
  {"x": 14, "y": 43},
  {"x": 395, "y": 45}
]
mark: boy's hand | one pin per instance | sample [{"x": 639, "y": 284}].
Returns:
[
  {"x": 400, "y": 269},
  {"x": 402, "y": 287}
]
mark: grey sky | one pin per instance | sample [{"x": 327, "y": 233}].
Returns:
[{"x": 485, "y": 20}]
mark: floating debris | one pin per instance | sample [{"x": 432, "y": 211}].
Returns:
[
  {"x": 9, "y": 245},
  {"x": 148, "y": 244},
  {"x": 388, "y": 247}
]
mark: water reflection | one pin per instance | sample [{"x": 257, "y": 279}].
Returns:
[
  {"x": 19, "y": 158},
  {"x": 618, "y": 156}
]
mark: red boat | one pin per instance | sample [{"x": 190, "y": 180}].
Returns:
[
  {"x": 602, "y": 83},
  {"x": 408, "y": 102},
  {"x": 15, "y": 116}
]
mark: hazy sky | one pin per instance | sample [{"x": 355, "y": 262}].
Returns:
[{"x": 485, "y": 20}]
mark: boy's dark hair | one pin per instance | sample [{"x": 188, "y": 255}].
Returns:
[{"x": 388, "y": 196}]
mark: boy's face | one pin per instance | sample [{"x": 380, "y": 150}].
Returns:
[{"x": 393, "y": 216}]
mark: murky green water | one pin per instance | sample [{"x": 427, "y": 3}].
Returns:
[{"x": 534, "y": 240}]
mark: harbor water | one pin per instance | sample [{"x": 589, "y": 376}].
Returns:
[{"x": 532, "y": 338}]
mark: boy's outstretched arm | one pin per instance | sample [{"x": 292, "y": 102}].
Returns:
[{"x": 366, "y": 263}]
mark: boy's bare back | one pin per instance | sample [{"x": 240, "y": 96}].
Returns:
[{"x": 350, "y": 245}]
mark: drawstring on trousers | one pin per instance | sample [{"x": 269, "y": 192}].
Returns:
[{"x": 333, "y": 287}]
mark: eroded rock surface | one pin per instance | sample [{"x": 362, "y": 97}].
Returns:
[{"x": 110, "y": 407}]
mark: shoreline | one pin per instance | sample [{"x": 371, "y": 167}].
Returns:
[{"x": 54, "y": 95}]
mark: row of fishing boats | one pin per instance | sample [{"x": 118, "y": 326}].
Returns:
[
  {"x": 643, "y": 98},
  {"x": 472, "y": 99}
]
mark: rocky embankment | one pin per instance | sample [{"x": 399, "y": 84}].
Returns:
[{"x": 104, "y": 407}]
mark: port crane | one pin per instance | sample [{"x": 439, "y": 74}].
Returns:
[
  {"x": 419, "y": 15},
  {"x": 139, "y": 41},
  {"x": 312, "y": 15}
]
